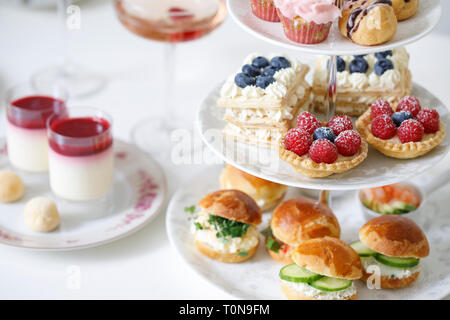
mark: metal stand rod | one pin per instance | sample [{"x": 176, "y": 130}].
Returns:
[
  {"x": 325, "y": 197},
  {"x": 330, "y": 99}
]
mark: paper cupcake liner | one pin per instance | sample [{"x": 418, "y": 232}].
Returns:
[
  {"x": 304, "y": 32},
  {"x": 265, "y": 10}
]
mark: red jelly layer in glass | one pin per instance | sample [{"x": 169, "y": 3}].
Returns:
[
  {"x": 80, "y": 136},
  {"x": 32, "y": 112}
]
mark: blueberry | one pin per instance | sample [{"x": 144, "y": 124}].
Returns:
[
  {"x": 260, "y": 62},
  {"x": 358, "y": 65},
  {"x": 382, "y": 66},
  {"x": 242, "y": 80},
  {"x": 384, "y": 54},
  {"x": 360, "y": 55},
  {"x": 250, "y": 70},
  {"x": 269, "y": 71},
  {"x": 280, "y": 62},
  {"x": 340, "y": 64},
  {"x": 264, "y": 81},
  {"x": 401, "y": 116},
  {"x": 324, "y": 133}
]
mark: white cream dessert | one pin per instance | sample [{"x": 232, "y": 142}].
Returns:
[
  {"x": 263, "y": 98},
  {"x": 27, "y": 148},
  {"x": 363, "y": 79},
  {"x": 26, "y": 130},
  {"x": 81, "y": 157}
]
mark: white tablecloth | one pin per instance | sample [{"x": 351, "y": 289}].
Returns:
[{"x": 144, "y": 265}]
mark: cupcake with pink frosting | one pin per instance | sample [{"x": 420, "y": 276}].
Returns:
[
  {"x": 307, "y": 21},
  {"x": 265, "y": 9}
]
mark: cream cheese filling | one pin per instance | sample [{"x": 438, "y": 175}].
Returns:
[
  {"x": 391, "y": 272},
  {"x": 310, "y": 291},
  {"x": 228, "y": 244}
]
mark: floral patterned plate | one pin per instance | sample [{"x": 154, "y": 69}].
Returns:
[
  {"x": 138, "y": 194},
  {"x": 257, "y": 278}
]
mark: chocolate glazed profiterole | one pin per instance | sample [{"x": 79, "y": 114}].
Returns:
[{"x": 368, "y": 22}]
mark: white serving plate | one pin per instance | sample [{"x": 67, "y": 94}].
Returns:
[
  {"x": 377, "y": 170},
  {"x": 257, "y": 278},
  {"x": 138, "y": 194},
  {"x": 408, "y": 31}
]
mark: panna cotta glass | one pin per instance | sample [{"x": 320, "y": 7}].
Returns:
[
  {"x": 27, "y": 112},
  {"x": 81, "y": 154}
]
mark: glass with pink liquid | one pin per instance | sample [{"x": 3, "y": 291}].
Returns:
[{"x": 171, "y": 22}]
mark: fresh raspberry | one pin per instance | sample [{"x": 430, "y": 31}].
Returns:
[
  {"x": 410, "y": 131},
  {"x": 429, "y": 119},
  {"x": 323, "y": 150},
  {"x": 308, "y": 122},
  {"x": 340, "y": 123},
  {"x": 411, "y": 104},
  {"x": 383, "y": 127},
  {"x": 379, "y": 108},
  {"x": 298, "y": 141},
  {"x": 348, "y": 143}
]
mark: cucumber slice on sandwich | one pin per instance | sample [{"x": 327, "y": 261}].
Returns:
[
  {"x": 362, "y": 250},
  {"x": 294, "y": 273},
  {"x": 397, "y": 262},
  {"x": 331, "y": 284}
]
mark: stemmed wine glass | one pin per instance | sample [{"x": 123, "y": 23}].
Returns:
[
  {"x": 171, "y": 22},
  {"x": 73, "y": 77}
]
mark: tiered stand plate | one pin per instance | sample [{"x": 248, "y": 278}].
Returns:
[
  {"x": 376, "y": 170},
  {"x": 408, "y": 31},
  {"x": 258, "y": 278}
]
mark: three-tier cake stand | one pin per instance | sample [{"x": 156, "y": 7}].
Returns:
[
  {"x": 377, "y": 169},
  {"x": 258, "y": 278}
]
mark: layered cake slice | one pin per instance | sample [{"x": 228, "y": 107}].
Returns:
[
  {"x": 361, "y": 80},
  {"x": 263, "y": 98}
]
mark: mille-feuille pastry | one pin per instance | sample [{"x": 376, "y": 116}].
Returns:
[
  {"x": 408, "y": 133},
  {"x": 324, "y": 269},
  {"x": 405, "y": 9},
  {"x": 297, "y": 220},
  {"x": 391, "y": 247},
  {"x": 267, "y": 194},
  {"x": 262, "y": 99},
  {"x": 362, "y": 79},
  {"x": 319, "y": 150},
  {"x": 368, "y": 22},
  {"x": 225, "y": 228}
]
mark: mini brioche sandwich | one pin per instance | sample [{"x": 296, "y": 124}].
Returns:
[
  {"x": 297, "y": 220},
  {"x": 225, "y": 228},
  {"x": 323, "y": 269},
  {"x": 267, "y": 194},
  {"x": 394, "y": 244}
]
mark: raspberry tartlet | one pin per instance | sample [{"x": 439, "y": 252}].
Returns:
[
  {"x": 407, "y": 132},
  {"x": 318, "y": 150}
]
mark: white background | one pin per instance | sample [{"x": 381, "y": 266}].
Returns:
[{"x": 144, "y": 265}]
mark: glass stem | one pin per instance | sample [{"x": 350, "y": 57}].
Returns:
[
  {"x": 169, "y": 74},
  {"x": 63, "y": 32}
]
